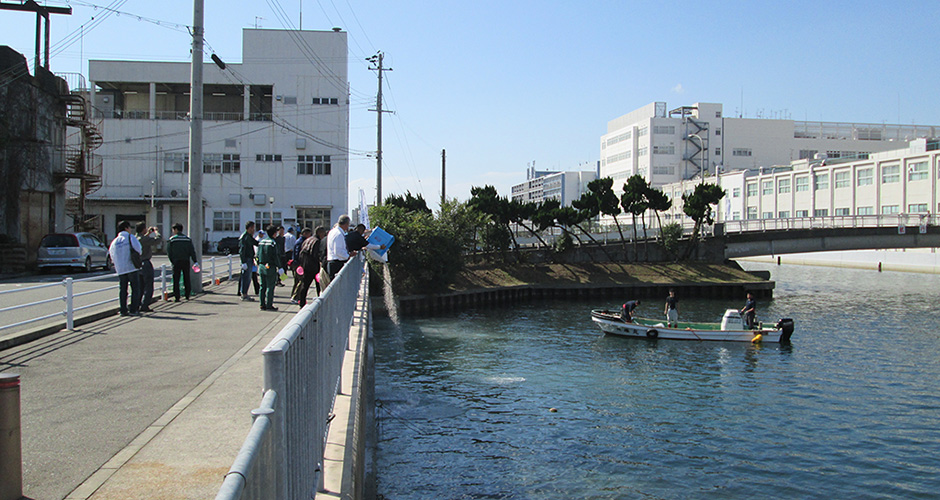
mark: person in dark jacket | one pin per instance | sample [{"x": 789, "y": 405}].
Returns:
[
  {"x": 626, "y": 313},
  {"x": 269, "y": 262},
  {"x": 149, "y": 238},
  {"x": 280, "y": 241},
  {"x": 246, "y": 253},
  {"x": 180, "y": 250},
  {"x": 309, "y": 259},
  {"x": 294, "y": 263},
  {"x": 355, "y": 240}
]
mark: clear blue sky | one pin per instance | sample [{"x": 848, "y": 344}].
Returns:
[{"x": 499, "y": 84}]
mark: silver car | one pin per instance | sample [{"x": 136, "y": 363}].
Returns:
[{"x": 82, "y": 250}]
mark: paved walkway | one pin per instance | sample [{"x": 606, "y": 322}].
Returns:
[{"x": 150, "y": 407}]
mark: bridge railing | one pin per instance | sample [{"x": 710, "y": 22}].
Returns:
[
  {"x": 282, "y": 457},
  {"x": 830, "y": 222}
]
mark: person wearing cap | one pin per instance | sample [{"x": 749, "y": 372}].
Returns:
[{"x": 180, "y": 251}]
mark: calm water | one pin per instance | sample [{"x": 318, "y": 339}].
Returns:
[{"x": 850, "y": 410}]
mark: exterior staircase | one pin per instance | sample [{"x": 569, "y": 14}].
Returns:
[{"x": 83, "y": 170}]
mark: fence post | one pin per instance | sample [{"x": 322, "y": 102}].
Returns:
[
  {"x": 230, "y": 267},
  {"x": 274, "y": 379},
  {"x": 212, "y": 278},
  {"x": 163, "y": 280},
  {"x": 11, "y": 451},
  {"x": 69, "y": 305}
]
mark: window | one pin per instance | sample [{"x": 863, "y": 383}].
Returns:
[
  {"x": 767, "y": 187},
  {"x": 717, "y": 151},
  {"x": 642, "y": 131},
  {"x": 751, "y": 212},
  {"x": 834, "y": 154},
  {"x": 843, "y": 180},
  {"x": 821, "y": 212},
  {"x": 642, "y": 151},
  {"x": 767, "y": 215},
  {"x": 619, "y": 157},
  {"x": 802, "y": 184},
  {"x": 802, "y": 213},
  {"x": 736, "y": 192},
  {"x": 783, "y": 186},
  {"x": 783, "y": 214},
  {"x": 664, "y": 150},
  {"x": 231, "y": 163},
  {"x": 751, "y": 189},
  {"x": 822, "y": 181},
  {"x": 212, "y": 163},
  {"x": 736, "y": 215},
  {"x": 842, "y": 211},
  {"x": 313, "y": 165},
  {"x": 717, "y": 114},
  {"x": 265, "y": 218},
  {"x": 666, "y": 170},
  {"x": 917, "y": 171},
  {"x": 808, "y": 154},
  {"x": 267, "y": 158},
  {"x": 889, "y": 209},
  {"x": 718, "y": 131},
  {"x": 864, "y": 177},
  {"x": 741, "y": 152},
  {"x": 865, "y": 211},
  {"x": 664, "y": 129},
  {"x": 313, "y": 217},
  {"x": 890, "y": 174},
  {"x": 176, "y": 162},
  {"x": 324, "y": 100},
  {"x": 620, "y": 138},
  {"x": 917, "y": 208},
  {"x": 225, "y": 221}
]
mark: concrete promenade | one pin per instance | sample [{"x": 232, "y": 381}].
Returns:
[{"x": 150, "y": 407}]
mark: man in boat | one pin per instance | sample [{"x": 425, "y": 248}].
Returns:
[
  {"x": 626, "y": 314},
  {"x": 749, "y": 312},
  {"x": 672, "y": 309}
]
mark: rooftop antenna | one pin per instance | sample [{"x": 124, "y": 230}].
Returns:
[
  {"x": 257, "y": 18},
  {"x": 301, "y": 16}
]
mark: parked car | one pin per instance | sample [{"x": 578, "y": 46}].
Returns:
[
  {"x": 228, "y": 246},
  {"x": 82, "y": 250}
]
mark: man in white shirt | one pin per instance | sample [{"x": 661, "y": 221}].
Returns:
[
  {"x": 120, "y": 251},
  {"x": 336, "y": 253}
]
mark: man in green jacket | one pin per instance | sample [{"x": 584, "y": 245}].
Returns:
[
  {"x": 269, "y": 267},
  {"x": 180, "y": 250}
]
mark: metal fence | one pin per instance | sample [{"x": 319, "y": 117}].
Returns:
[
  {"x": 830, "y": 222},
  {"x": 282, "y": 457},
  {"x": 215, "y": 270}
]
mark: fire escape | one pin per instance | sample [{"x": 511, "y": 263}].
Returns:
[
  {"x": 695, "y": 137},
  {"x": 82, "y": 175}
]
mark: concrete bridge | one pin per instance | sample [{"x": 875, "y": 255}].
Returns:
[{"x": 748, "y": 238}]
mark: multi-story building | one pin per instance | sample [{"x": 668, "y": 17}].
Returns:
[
  {"x": 697, "y": 140},
  {"x": 276, "y": 134},
  {"x": 541, "y": 185},
  {"x": 901, "y": 181}
]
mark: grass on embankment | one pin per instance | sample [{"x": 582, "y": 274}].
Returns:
[{"x": 476, "y": 276}]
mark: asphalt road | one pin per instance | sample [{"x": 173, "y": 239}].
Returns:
[{"x": 38, "y": 287}]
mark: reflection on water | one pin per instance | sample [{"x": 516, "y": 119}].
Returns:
[{"x": 850, "y": 409}]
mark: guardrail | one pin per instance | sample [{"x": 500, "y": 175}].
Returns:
[
  {"x": 69, "y": 296},
  {"x": 282, "y": 457},
  {"x": 830, "y": 222}
]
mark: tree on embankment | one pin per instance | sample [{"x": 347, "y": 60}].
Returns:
[{"x": 698, "y": 206}]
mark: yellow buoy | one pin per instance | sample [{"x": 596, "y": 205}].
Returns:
[{"x": 757, "y": 338}]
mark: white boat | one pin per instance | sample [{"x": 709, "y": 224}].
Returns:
[{"x": 730, "y": 329}]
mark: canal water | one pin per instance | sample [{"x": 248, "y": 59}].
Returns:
[{"x": 534, "y": 402}]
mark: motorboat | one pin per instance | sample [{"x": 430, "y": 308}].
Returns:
[{"x": 730, "y": 329}]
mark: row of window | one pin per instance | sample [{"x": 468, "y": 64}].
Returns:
[
  {"x": 864, "y": 177},
  {"x": 218, "y": 163},
  {"x": 230, "y": 220},
  {"x": 316, "y": 100},
  {"x": 913, "y": 208}
]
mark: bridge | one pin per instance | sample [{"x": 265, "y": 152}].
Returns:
[{"x": 748, "y": 238}]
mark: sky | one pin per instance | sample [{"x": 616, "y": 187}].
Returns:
[{"x": 501, "y": 84}]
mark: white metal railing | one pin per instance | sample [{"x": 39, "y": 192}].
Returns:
[
  {"x": 69, "y": 295},
  {"x": 283, "y": 454},
  {"x": 829, "y": 222}
]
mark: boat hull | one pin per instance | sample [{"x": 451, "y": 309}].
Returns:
[{"x": 610, "y": 323}]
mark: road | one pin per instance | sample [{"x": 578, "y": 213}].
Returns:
[{"x": 40, "y": 287}]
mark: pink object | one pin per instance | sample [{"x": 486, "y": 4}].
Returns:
[
  {"x": 317, "y": 277},
  {"x": 196, "y": 268},
  {"x": 300, "y": 271}
]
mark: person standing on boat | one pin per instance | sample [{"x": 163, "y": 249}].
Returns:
[
  {"x": 749, "y": 312},
  {"x": 626, "y": 314},
  {"x": 672, "y": 309}
]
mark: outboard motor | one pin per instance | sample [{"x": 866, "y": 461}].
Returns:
[
  {"x": 786, "y": 330},
  {"x": 731, "y": 318}
]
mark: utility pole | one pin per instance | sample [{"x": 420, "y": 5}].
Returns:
[
  {"x": 376, "y": 65},
  {"x": 443, "y": 176},
  {"x": 196, "y": 219}
]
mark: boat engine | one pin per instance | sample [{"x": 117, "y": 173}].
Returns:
[
  {"x": 786, "y": 330},
  {"x": 731, "y": 320}
]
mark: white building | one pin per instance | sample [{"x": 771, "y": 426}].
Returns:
[
  {"x": 687, "y": 141},
  {"x": 541, "y": 185},
  {"x": 276, "y": 135},
  {"x": 901, "y": 181}
]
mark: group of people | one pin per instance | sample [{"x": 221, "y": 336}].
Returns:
[
  {"x": 313, "y": 256},
  {"x": 671, "y": 311},
  {"x": 131, "y": 256}
]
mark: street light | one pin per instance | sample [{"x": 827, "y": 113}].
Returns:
[{"x": 271, "y": 201}]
